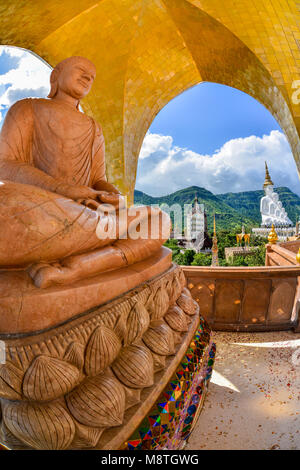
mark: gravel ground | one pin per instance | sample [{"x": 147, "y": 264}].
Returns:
[{"x": 253, "y": 400}]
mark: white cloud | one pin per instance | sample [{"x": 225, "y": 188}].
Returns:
[
  {"x": 30, "y": 77},
  {"x": 157, "y": 143},
  {"x": 238, "y": 166}
]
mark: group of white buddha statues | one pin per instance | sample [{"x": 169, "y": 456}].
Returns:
[{"x": 272, "y": 211}]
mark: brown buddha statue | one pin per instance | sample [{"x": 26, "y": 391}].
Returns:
[{"x": 53, "y": 187}]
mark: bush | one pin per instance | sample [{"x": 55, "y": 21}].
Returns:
[
  {"x": 201, "y": 259},
  {"x": 258, "y": 258}
]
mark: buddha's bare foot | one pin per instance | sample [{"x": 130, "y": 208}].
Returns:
[
  {"x": 45, "y": 275},
  {"x": 34, "y": 268}
]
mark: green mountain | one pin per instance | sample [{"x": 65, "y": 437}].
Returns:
[
  {"x": 231, "y": 209},
  {"x": 227, "y": 217}
]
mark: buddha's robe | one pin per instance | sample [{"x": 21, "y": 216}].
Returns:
[
  {"x": 65, "y": 144},
  {"x": 44, "y": 143}
]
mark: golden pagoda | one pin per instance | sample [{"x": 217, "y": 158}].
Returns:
[{"x": 268, "y": 181}]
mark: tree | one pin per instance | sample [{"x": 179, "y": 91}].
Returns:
[
  {"x": 258, "y": 258},
  {"x": 201, "y": 259},
  {"x": 172, "y": 243},
  {"x": 226, "y": 238},
  {"x": 185, "y": 258}
]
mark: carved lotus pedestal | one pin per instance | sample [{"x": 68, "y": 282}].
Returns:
[{"x": 87, "y": 364}]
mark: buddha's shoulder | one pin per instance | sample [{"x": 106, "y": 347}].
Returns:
[
  {"x": 21, "y": 105},
  {"x": 28, "y": 106}
]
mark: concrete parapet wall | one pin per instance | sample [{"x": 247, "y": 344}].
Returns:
[{"x": 246, "y": 299}]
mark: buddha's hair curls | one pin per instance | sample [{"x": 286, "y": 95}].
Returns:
[{"x": 58, "y": 68}]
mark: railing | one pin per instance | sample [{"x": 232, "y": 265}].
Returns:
[
  {"x": 247, "y": 299},
  {"x": 282, "y": 254}
]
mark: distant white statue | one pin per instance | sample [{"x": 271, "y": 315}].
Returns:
[{"x": 272, "y": 211}]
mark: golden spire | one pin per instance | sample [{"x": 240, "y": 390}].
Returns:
[
  {"x": 268, "y": 181},
  {"x": 214, "y": 225}
]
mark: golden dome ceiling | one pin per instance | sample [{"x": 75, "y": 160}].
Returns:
[{"x": 148, "y": 51}]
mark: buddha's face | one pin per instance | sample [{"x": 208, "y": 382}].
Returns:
[
  {"x": 76, "y": 78},
  {"x": 268, "y": 190}
]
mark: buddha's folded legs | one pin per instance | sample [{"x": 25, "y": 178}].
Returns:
[
  {"x": 121, "y": 253},
  {"x": 37, "y": 225},
  {"x": 56, "y": 239}
]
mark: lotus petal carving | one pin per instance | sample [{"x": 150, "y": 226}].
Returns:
[
  {"x": 11, "y": 378},
  {"x": 182, "y": 278},
  {"x": 159, "y": 338},
  {"x": 188, "y": 305},
  {"x": 176, "y": 288},
  {"x": 161, "y": 302},
  {"x": 177, "y": 337},
  {"x": 121, "y": 325},
  {"x": 98, "y": 402},
  {"x": 103, "y": 347},
  {"x": 134, "y": 367},
  {"x": 132, "y": 396},
  {"x": 150, "y": 304},
  {"x": 9, "y": 440},
  {"x": 169, "y": 288},
  {"x": 86, "y": 437},
  {"x": 137, "y": 323},
  {"x": 44, "y": 426},
  {"x": 75, "y": 354},
  {"x": 48, "y": 378},
  {"x": 159, "y": 362},
  {"x": 176, "y": 319}
]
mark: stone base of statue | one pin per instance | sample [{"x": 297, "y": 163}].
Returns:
[{"x": 122, "y": 361}]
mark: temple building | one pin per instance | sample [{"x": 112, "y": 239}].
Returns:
[
  {"x": 196, "y": 228},
  {"x": 273, "y": 213},
  {"x": 196, "y": 220}
]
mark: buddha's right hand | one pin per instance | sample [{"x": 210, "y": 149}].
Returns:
[{"x": 77, "y": 192}]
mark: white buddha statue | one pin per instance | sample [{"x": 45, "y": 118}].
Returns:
[{"x": 272, "y": 211}]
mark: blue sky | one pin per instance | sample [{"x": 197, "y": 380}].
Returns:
[
  {"x": 206, "y": 116},
  {"x": 211, "y": 136}
]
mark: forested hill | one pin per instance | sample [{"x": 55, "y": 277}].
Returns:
[{"x": 231, "y": 209}]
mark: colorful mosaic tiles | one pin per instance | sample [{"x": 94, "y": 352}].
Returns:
[{"x": 172, "y": 418}]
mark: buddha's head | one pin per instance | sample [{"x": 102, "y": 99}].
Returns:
[
  {"x": 74, "y": 76},
  {"x": 269, "y": 190}
]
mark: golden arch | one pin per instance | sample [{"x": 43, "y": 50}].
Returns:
[{"x": 148, "y": 51}]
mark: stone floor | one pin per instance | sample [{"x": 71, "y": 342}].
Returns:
[{"x": 253, "y": 400}]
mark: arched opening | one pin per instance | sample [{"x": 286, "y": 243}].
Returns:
[
  {"x": 225, "y": 136},
  {"x": 212, "y": 142}
]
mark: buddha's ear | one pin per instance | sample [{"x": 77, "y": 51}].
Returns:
[{"x": 53, "y": 83}]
